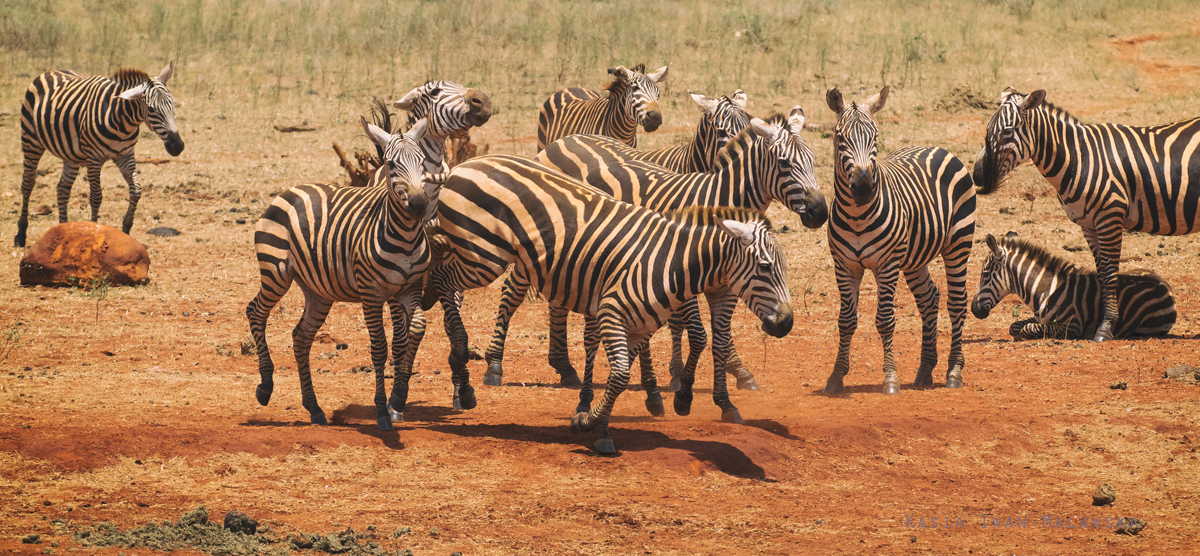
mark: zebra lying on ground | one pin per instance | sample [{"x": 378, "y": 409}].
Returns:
[
  {"x": 1109, "y": 177},
  {"x": 625, "y": 267},
  {"x": 89, "y": 121},
  {"x": 1066, "y": 299},
  {"x": 764, "y": 162},
  {"x": 348, "y": 244},
  {"x": 894, "y": 216},
  {"x": 632, "y": 100}
]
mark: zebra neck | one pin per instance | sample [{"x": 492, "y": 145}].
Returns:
[
  {"x": 701, "y": 261},
  {"x": 618, "y": 124},
  {"x": 397, "y": 227},
  {"x": 1050, "y": 131},
  {"x": 701, "y": 152},
  {"x": 744, "y": 174},
  {"x": 125, "y": 117},
  {"x": 435, "y": 153}
]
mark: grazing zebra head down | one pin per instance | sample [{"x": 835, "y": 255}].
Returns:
[
  {"x": 160, "y": 105},
  {"x": 447, "y": 106},
  {"x": 639, "y": 92},
  {"x": 854, "y": 144},
  {"x": 1007, "y": 143},
  {"x": 799, "y": 191},
  {"x": 404, "y": 162}
]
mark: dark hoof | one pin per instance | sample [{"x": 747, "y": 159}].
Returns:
[
  {"x": 577, "y": 424},
  {"x": 890, "y": 388},
  {"x": 605, "y": 446},
  {"x": 732, "y": 416},
  {"x": 833, "y": 386},
  {"x": 683, "y": 404},
  {"x": 570, "y": 378},
  {"x": 923, "y": 380},
  {"x": 384, "y": 423},
  {"x": 675, "y": 385},
  {"x": 396, "y": 416},
  {"x": 748, "y": 384},
  {"x": 654, "y": 404},
  {"x": 1103, "y": 333},
  {"x": 396, "y": 407},
  {"x": 583, "y": 407},
  {"x": 465, "y": 398},
  {"x": 318, "y": 418},
  {"x": 492, "y": 380},
  {"x": 954, "y": 382},
  {"x": 19, "y": 241},
  {"x": 263, "y": 393}
]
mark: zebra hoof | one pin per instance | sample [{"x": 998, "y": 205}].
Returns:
[
  {"x": 465, "y": 398},
  {"x": 384, "y": 422},
  {"x": 578, "y": 423},
  {"x": 492, "y": 380},
  {"x": 954, "y": 382},
  {"x": 19, "y": 241},
  {"x": 396, "y": 416},
  {"x": 569, "y": 378},
  {"x": 682, "y": 403},
  {"x": 605, "y": 446},
  {"x": 891, "y": 388},
  {"x": 748, "y": 384},
  {"x": 654, "y": 404},
  {"x": 675, "y": 385},
  {"x": 833, "y": 385},
  {"x": 923, "y": 380},
  {"x": 318, "y": 418},
  {"x": 583, "y": 407},
  {"x": 732, "y": 416},
  {"x": 263, "y": 393},
  {"x": 396, "y": 405}
]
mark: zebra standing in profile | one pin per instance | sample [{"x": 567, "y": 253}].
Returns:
[
  {"x": 894, "y": 216},
  {"x": 1109, "y": 177},
  {"x": 625, "y": 267},
  {"x": 632, "y": 100},
  {"x": 348, "y": 244},
  {"x": 765, "y": 162},
  {"x": 89, "y": 121},
  {"x": 1066, "y": 299}
]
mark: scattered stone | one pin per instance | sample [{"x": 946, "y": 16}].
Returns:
[
  {"x": 239, "y": 522},
  {"x": 1184, "y": 373},
  {"x": 1120, "y": 385},
  {"x": 83, "y": 253},
  {"x": 1104, "y": 495},
  {"x": 1130, "y": 526},
  {"x": 32, "y": 538},
  {"x": 163, "y": 231},
  {"x": 433, "y": 532}
]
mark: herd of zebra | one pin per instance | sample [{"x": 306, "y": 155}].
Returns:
[{"x": 630, "y": 238}]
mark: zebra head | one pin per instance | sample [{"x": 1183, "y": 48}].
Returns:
[
  {"x": 994, "y": 283},
  {"x": 797, "y": 187},
  {"x": 723, "y": 119},
  {"x": 1007, "y": 143},
  {"x": 761, "y": 274},
  {"x": 405, "y": 168},
  {"x": 446, "y": 106},
  {"x": 160, "y": 108},
  {"x": 638, "y": 94},
  {"x": 854, "y": 145}
]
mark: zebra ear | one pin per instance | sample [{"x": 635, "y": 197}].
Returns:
[
  {"x": 165, "y": 75},
  {"x": 418, "y": 130},
  {"x": 408, "y": 101},
  {"x": 994, "y": 246},
  {"x": 660, "y": 75},
  {"x": 875, "y": 103},
  {"x": 1011, "y": 234},
  {"x": 739, "y": 98},
  {"x": 619, "y": 72},
  {"x": 134, "y": 93},
  {"x": 377, "y": 135},
  {"x": 1034, "y": 100},
  {"x": 834, "y": 99},
  {"x": 741, "y": 231},
  {"x": 796, "y": 120},
  {"x": 766, "y": 131},
  {"x": 707, "y": 105}
]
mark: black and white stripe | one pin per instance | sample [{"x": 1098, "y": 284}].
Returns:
[
  {"x": 446, "y": 106},
  {"x": 632, "y": 100},
  {"x": 1109, "y": 177},
  {"x": 348, "y": 244},
  {"x": 87, "y": 121},
  {"x": 894, "y": 216},
  {"x": 1066, "y": 299}
]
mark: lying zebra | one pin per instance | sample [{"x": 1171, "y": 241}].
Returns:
[{"x": 1066, "y": 299}]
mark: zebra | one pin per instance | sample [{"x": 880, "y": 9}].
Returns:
[
  {"x": 722, "y": 119},
  {"x": 89, "y": 121},
  {"x": 632, "y": 99},
  {"x": 764, "y": 162},
  {"x": 625, "y": 267},
  {"x": 1108, "y": 177},
  {"x": 348, "y": 244},
  {"x": 1066, "y": 299},
  {"x": 446, "y": 106},
  {"x": 892, "y": 216}
]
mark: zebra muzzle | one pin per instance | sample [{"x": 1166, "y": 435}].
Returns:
[
  {"x": 781, "y": 324},
  {"x": 174, "y": 144},
  {"x": 652, "y": 120},
  {"x": 980, "y": 310}
]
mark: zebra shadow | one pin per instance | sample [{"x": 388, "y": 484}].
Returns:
[
  {"x": 390, "y": 439},
  {"x": 720, "y": 455},
  {"x": 874, "y": 388}
]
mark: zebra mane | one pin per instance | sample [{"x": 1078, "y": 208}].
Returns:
[
  {"x": 776, "y": 119},
  {"x": 130, "y": 77},
  {"x": 1058, "y": 113},
  {"x": 639, "y": 67},
  {"x": 1043, "y": 257},
  {"x": 382, "y": 118},
  {"x": 707, "y": 216},
  {"x": 745, "y": 136}
]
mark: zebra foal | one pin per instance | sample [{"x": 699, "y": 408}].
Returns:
[
  {"x": 87, "y": 121},
  {"x": 1109, "y": 177},
  {"x": 361, "y": 245},
  {"x": 894, "y": 215},
  {"x": 1066, "y": 299}
]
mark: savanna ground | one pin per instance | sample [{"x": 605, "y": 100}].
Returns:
[{"x": 136, "y": 405}]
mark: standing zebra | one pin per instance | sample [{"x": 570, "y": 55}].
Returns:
[
  {"x": 447, "y": 107},
  {"x": 894, "y": 216},
  {"x": 1109, "y": 177},
  {"x": 1065, "y": 299},
  {"x": 632, "y": 100},
  {"x": 348, "y": 244},
  {"x": 721, "y": 120},
  {"x": 764, "y": 162},
  {"x": 89, "y": 121},
  {"x": 626, "y": 267}
]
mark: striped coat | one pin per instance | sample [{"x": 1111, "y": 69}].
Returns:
[{"x": 632, "y": 100}]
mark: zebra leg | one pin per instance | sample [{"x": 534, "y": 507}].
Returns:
[
  {"x": 591, "y": 343},
  {"x": 616, "y": 346},
  {"x": 848, "y": 279},
  {"x": 402, "y": 307},
  {"x": 885, "y": 324},
  {"x": 956, "y": 305},
  {"x": 675, "y": 323},
  {"x": 275, "y": 283},
  {"x": 1018, "y": 329},
  {"x": 95, "y": 193},
  {"x": 316, "y": 310},
  {"x": 721, "y": 310},
  {"x": 733, "y": 363},
  {"x": 416, "y": 333},
  {"x": 560, "y": 358},
  {"x": 654, "y": 399},
  {"x": 697, "y": 341},
  {"x": 129, "y": 172},
  {"x": 511, "y": 297},
  {"x": 460, "y": 376},
  {"x": 33, "y": 155},
  {"x": 1105, "y": 242},
  {"x": 372, "y": 309},
  {"x": 926, "y": 294}
]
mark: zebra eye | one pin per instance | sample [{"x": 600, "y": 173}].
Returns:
[{"x": 764, "y": 267}]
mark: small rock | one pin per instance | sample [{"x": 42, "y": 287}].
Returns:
[
  {"x": 32, "y": 538},
  {"x": 301, "y": 542},
  {"x": 83, "y": 253},
  {"x": 240, "y": 220},
  {"x": 1104, "y": 495},
  {"x": 1120, "y": 385},
  {"x": 163, "y": 231},
  {"x": 1130, "y": 526},
  {"x": 1184, "y": 373},
  {"x": 433, "y": 532},
  {"x": 42, "y": 210},
  {"x": 198, "y": 516},
  {"x": 238, "y": 522}
]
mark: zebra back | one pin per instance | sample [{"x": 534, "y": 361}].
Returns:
[{"x": 632, "y": 100}]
